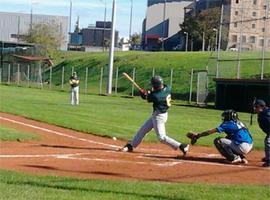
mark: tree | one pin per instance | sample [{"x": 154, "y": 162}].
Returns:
[
  {"x": 48, "y": 35},
  {"x": 135, "y": 39},
  {"x": 203, "y": 23}
]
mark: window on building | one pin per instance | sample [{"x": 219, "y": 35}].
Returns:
[
  {"x": 254, "y": 2},
  {"x": 253, "y": 25},
  {"x": 265, "y": 7},
  {"x": 234, "y": 38},
  {"x": 261, "y": 42},
  {"x": 252, "y": 39},
  {"x": 236, "y": 1},
  {"x": 263, "y": 29},
  {"x": 244, "y": 39},
  {"x": 236, "y": 12},
  {"x": 254, "y": 14},
  {"x": 235, "y": 24}
]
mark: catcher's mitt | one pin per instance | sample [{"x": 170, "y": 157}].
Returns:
[{"x": 193, "y": 137}]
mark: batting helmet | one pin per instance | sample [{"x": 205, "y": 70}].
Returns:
[
  {"x": 228, "y": 115},
  {"x": 156, "y": 81}
]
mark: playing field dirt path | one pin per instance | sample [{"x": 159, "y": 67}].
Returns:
[{"x": 66, "y": 152}]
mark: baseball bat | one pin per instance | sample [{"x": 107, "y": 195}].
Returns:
[{"x": 132, "y": 81}]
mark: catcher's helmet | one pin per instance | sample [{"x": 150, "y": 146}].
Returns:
[
  {"x": 228, "y": 115},
  {"x": 156, "y": 81}
]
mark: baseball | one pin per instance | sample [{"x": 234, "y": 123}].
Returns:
[{"x": 114, "y": 138}]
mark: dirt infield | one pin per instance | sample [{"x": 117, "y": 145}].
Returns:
[{"x": 64, "y": 152}]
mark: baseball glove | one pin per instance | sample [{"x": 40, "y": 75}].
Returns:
[{"x": 193, "y": 137}]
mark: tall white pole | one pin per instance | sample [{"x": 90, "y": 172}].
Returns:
[
  {"x": 70, "y": 16},
  {"x": 264, "y": 38},
  {"x": 186, "y": 40},
  {"x": 109, "y": 84},
  {"x": 219, "y": 41},
  {"x": 130, "y": 22},
  {"x": 240, "y": 42}
]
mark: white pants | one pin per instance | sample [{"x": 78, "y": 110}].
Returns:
[
  {"x": 156, "y": 121},
  {"x": 74, "y": 95}
]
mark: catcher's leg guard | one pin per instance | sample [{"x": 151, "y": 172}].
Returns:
[{"x": 224, "y": 149}]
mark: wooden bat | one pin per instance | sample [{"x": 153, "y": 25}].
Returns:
[{"x": 132, "y": 81}]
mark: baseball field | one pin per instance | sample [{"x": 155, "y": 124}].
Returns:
[{"x": 51, "y": 150}]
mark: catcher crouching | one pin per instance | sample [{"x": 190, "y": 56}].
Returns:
[{"x": 236, "y": 144}]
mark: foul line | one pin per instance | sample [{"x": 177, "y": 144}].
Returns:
[
  {"x": 58, "y": 133},
  {"x": 73, "y": 157}
]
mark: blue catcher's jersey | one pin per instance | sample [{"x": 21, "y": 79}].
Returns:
[{"x": 236, "y": 131}]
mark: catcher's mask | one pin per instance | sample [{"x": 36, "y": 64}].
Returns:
[
  {"x": 228, "y": 115},
  {"x": 156, "y": 82}
]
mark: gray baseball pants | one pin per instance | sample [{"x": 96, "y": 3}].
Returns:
[
  {"x": 157, "y": 122},
  {"x": 230, "y": 150},
  {"x": 267, "y": 148},
  {"x": 74, "y": 95}
]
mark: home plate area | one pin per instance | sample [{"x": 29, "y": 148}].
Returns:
[{"x": 65, "y": 152}]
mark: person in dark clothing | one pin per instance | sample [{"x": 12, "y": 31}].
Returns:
[{"x": 263, "y": 113}]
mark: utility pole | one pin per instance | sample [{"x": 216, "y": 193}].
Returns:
[
  {"x": 219, "y": 40},
  {"x": 70, "y": 16},
  {"x": 164, "y": 24},
  {"x": 110, "y": 74},
  {"x": 130, "y": 22},
  {"x": 264, "y": 38},
  {"x": 104, "y": 24},
  {"x": 240, "y": 42},
  {"x": 186, "y": 40}
]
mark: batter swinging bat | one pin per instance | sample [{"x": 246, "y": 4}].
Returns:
[{"x": 132, "y": 81}]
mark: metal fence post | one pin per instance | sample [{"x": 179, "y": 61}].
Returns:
[
  {"x": 100, "y": 83},
  {"x": 63, "y": 75},
  {"x": 72, "y": 70},
  {"x": 198, "y": 84},
  {"x": 8, "y": 73},
  {"x": 116, "y": 80},
  {"x": 28, "y": 76},
  {"x": 153, "y": 72},
  {"x": 86, "y": 80},
  {"x": 190, "y": 89},
  {"x": 133, "y": 77},
  {"x": 0, "y": 75},
  {"x": 18, "y": 74},
  {"x": 171, "y": 80},
  {"x": 50, "y": 79},
  {"x": 40, "y": 76}
]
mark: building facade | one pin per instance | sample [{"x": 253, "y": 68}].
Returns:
[
  {"x": 15, "y": 25},
  {"x": 94, "y": 37},
  {"x": 161, "y": 25},
  {"x": 249, "y": 22}
]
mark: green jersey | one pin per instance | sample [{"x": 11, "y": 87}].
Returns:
[{"x": 161, "y": 99}]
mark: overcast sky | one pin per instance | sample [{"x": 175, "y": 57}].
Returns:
[{"x": 89, "y": 11}]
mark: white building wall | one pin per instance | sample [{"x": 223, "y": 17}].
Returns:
[
  {"x": 14, "y": 23},
  {"x": 174, "y": 12}
]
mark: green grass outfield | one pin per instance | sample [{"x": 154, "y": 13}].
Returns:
[
  {"x": 10, "y": 134},
  {"x": 15, "y": 186},
  {"x": 112, "y": 116}
]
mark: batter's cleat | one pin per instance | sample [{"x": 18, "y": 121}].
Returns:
[
  {"x": 264, "y": 159},
  {"x": 184, "y": 148},
  {"x": 236, "y": 160},
  {"x": 126, "y": 148},
  {"x": 244, "y": 161}
]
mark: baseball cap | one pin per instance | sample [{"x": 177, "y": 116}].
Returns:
[{"x": 259, "y": 102}]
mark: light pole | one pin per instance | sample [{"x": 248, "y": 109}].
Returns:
[
  {"x": 186, "y": 40},
  {"x": 163, "y": 27},
  {"x": 216, "y": 40},
  {"x": 104, "y": 24},
  {"x": 130, "y": 22},
  {"x": 110, "y": 74}
]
